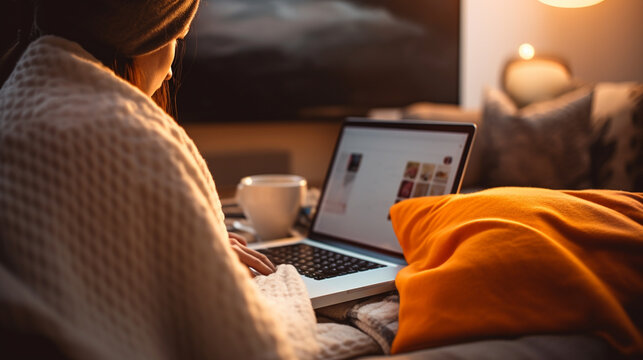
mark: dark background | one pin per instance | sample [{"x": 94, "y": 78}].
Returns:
[{"x": 261, "y": 60}]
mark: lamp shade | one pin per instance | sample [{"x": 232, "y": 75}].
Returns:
[
  {"x": 536, "y": 79},
  {"x": 570, "y": 3}
]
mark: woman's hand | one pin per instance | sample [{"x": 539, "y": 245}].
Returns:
[{"x": 251, "y": 258}]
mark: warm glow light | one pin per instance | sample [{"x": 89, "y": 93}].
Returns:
[
  {"x": 526, "y": 51},
  {"x": 571, "y": 3}
]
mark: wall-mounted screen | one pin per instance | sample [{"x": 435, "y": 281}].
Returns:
[{"x": 258, "y": 60}]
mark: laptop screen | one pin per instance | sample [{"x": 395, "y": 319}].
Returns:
[{"x": 377, "y": 164}]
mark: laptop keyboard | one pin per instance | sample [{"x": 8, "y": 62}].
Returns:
[{"x": 317, "y": 263}]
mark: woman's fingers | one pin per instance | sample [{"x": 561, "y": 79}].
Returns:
[
  {"x": 258, "y": 262},
  {"x": 261, "y": 257},
  {"x": 252, "y": 258},
  {"x": 238, "y": 237}
]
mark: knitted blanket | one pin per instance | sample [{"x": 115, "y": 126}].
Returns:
[
  {"x": 112, "y": 238},
  {"x": 376, "y": 316}
]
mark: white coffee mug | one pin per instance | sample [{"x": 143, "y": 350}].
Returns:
[{"x": 271, "y": 203}]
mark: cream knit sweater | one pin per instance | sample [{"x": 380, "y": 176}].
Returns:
[{"x": 112, "y": 241}]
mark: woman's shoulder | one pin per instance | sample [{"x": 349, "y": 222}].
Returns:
[
  {"x": 51, "y": 63},
  {"x": 58, "y": 86}
]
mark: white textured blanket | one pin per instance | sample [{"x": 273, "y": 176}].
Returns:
[
  {"x": 112, "y": 237},
  {"x": 376, "y": 317}
]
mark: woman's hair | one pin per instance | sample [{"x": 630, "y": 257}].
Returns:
[
  {"x": 98, "y": 26},
  {"x": 165, "y": 96}
]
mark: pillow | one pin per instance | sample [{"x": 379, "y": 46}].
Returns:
[
  {"x": 544, "y": 144},
  {"x": 617, "y": 136},
  {"x": 508, "y": 262}
]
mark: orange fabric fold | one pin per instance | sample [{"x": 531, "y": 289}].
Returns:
[{"x": 507, "y": 262}]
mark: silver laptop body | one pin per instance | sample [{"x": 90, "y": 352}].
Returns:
[{"x": 375, "y": 164}]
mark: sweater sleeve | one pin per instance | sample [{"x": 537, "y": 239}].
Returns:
[{"x": 118, "y": 229}]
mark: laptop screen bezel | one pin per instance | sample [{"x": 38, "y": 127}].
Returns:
[{"x": 425, "y": 125}]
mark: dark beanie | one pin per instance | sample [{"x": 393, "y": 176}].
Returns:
[{"x": 125, "y": 27}]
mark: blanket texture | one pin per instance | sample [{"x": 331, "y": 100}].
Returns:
[
  {"x": 112, "y": 238},
  {"x": 507, "y": 262},
  {"x": 112, "y": 232},
  {"x": 376, "y": 316}
]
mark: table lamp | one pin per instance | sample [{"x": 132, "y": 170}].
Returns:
[
  {"x": 531, "y": 78},
  {"x": 570, "y": 3}
]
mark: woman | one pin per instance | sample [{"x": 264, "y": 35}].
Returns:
[
  {"x": 111, "y": 230},
  {"x": 145, "y": 61}
]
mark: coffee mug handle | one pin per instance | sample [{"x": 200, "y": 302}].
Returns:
[{"x": 303, "y": 201}]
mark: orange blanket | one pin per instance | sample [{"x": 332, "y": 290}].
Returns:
[{"x": 514, "y": 261}]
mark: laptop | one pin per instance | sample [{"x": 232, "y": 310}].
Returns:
[{"x": 351, "y": 250}]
